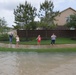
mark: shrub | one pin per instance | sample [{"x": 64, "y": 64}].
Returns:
[
  {"x": 73, "y": 38},
  {"x": 4, "y": 37}
]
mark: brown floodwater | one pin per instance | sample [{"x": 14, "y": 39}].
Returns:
[{"x": 31, "y": 63}]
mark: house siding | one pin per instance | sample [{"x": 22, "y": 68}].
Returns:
[{"x": 62, "y": 17}]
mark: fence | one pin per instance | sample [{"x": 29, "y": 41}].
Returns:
[{"x": 46, "y": 33}]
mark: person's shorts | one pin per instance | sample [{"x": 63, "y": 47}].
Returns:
[
  {"x": 53, "y": 41},
  {"x": 39, "y": 40}
]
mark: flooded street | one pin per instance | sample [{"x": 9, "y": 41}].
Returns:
[{"x": 32, "y": 63}]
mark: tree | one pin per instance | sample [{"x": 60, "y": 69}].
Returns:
[
  {"x": 24, "y": 15},
  {"x": 3, "y": 24},
  {"x": 46, "y": 14},
  {"x": 16, "y": 27},
  {"x": 71, "y": 21}
]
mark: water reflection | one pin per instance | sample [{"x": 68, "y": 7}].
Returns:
[{"x": 30, "y": 63}]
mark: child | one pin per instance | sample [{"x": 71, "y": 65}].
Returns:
[
  {"x": 53, "y": 38},
  {"x": 17, "y": 41},
  {"x": 38, "y": 39},
  {"x": 10, "y": 38}
]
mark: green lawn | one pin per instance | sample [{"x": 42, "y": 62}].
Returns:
[
  {"x": 47, "y": 42},
  {"x": 65, "y": 41},
  {"x": 38, "y": 50}
]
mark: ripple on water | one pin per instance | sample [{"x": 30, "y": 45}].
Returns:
[{"x": 31, "y": 63}]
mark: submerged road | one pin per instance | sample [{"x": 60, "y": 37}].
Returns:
[{"x": 38, "y": 46}]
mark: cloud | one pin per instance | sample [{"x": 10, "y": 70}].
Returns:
[
  {"x": 9, "y": 4},
  {"x": 63, "y": 4}
]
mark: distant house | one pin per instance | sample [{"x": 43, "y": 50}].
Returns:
[{"x": 64, "y": 16}]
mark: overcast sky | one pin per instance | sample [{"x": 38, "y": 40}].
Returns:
[{"x": 7, "y": 7}]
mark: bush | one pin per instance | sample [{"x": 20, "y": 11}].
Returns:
[
  {"x": 73, "y": 38},
  {"x": 4, "y": 37},
  {"x": 22, "y": 39}
]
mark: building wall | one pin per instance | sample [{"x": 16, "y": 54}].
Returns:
[{"x": 61, "y": 19}]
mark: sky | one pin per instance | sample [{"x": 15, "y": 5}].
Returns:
[{"x": 7, "y": 7}]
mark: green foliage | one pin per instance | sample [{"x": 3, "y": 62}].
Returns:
[
  {"x": 16, "y": 27},
  {"x": 44, "y": 26},
  {"x": 3, "y": 25},
  {"x": 4, "y": 37},
  {"x": 47, "y": 15},
  {"x": 24, "y": 15},
  {"x": 71, "y": 21},
  {"x": 33, "y": 25}
]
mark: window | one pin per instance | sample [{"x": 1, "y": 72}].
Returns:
[{"x": 68, "y": 19}]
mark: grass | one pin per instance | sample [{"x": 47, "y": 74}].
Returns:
[
  {"x": 46, "y": 42},
  {"x": 43, "y": 42},
  {"x": 65, "y": 41},
  {"x": 39, "y": 50}
]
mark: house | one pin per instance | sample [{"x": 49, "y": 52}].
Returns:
[{"x": 63, "y": 16}]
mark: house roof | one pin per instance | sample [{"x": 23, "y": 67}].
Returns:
[{"x": 67, "y": 9}]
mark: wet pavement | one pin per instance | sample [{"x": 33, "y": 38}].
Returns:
[{"x": 38, "y": 46}]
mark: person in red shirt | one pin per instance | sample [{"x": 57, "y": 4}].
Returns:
[{"x": 38, "y": 39}]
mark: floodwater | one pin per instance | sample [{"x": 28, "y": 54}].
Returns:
[{"x": 32, "y": 63}]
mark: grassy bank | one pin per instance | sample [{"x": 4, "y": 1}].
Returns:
[{"x": 39, "y": 50}]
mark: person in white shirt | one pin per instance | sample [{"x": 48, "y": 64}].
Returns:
[
  {"x": 53, "y": 38},
  {"x": 17, "y": 41}
]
